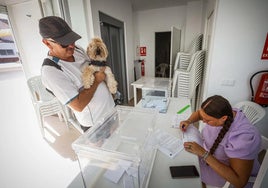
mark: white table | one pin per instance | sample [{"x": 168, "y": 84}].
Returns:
[
  {"x": 160, "y": 176},
  {"x": 149, "y": 82}
]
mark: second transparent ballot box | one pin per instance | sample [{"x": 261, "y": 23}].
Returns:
[
  {"x": 156, "y": 98},
  {"x": 118, "y": 151}
]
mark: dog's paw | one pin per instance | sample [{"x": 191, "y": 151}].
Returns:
[
  {"x": 112, "y": 85},
  {"x": 88, "y": 77},
  {"x": 88, "y": 81}
]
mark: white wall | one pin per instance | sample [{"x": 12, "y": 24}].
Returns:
[
  {"x": 156, "y": 20},
  {"x": 194, "y": 25},
  {"x": 239, "y": 36},
  {"x": 121, "y": 10},
  {"x": 187, "y": 18}
]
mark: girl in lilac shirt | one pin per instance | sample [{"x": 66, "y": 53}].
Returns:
[{"x": 230, "y": 144}]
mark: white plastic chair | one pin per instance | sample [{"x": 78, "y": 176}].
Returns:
[
  {"x": 260, "y": 181},
  {"x": 161, "y": 70},
  {"x": 45, "y": 104},
  {"x": 72, "y": 119},
  {"x": 185, "y": 81},
  {"x": 196, "y": 44},
  {"x": 253, "y": 111},
  {"x": 182, "y": 60}
]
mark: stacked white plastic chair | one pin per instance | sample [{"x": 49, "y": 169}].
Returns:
[
  {"x": 45, "y": 103},
  {"x": 183, "y": 58},
  {"x": 187, "y": 74},
  {"x": 186, "y": 81}
]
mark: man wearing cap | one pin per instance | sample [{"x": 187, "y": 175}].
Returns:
[{"x": 64, "y": 77}]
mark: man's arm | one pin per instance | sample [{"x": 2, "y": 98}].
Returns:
[{"x": 85, "y": 96}]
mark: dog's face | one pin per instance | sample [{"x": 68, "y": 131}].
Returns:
[{"x": 97, "y": 50}]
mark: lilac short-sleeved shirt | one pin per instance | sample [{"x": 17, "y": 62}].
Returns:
[{"x": 243, "y": 141}]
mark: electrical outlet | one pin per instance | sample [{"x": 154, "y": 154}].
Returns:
[{"x": 228, "y": 82}]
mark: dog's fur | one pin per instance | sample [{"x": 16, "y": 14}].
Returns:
[{"x": 98, "y": 53}]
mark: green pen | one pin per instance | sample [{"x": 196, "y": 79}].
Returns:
[{"x": 183, "y": 109}]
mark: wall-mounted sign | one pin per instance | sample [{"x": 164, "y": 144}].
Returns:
[
  {"x": 265, "y": 49},
  {"x": 143, "y": 51}
]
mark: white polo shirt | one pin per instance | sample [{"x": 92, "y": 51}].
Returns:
[{"x": 66, "y": 83}]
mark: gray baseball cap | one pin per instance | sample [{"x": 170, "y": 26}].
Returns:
[{"x": 57, "y": 29}]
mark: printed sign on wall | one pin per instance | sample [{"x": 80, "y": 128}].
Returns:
[
  {"x": 265, "y": 49},
  {"x": 143, "y": 51}
]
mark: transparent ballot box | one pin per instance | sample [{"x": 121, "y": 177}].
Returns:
[
  {"x": 118, "y": 151},
  {"x": 156, "y": 98}
]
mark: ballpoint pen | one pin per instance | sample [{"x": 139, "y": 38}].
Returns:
[{"x": 182, "y": 130}]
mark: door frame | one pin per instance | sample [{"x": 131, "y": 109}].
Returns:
[{"x": 122, "y": 79}]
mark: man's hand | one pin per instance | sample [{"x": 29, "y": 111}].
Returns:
[{"x": 100, "y": 75}]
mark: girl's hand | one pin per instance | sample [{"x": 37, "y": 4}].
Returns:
[
  {"x": 184, "y": 125},
  {"x": 194, "y": 148}
]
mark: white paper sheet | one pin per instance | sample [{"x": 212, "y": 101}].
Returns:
[
  {"x": 128, "y": 182},
  {"x": 168, "y": 144},
  {"x": 176, "y": 120},
  {"x": 117, "y": 173},
  {"x": 192, "y": 134}
]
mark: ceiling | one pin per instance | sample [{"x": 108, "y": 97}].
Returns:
[{"x": 136, "y": 4}]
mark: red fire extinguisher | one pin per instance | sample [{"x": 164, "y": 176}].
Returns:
[
  {"x": 142, "y": 68},
  {"x": 261, "y": 96}
]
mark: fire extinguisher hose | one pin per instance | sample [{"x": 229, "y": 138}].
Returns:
[{"x": 250, "y": 82}]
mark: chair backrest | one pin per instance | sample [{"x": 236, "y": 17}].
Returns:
[
  {"x": 185, "y": 81},
  {"x": 183, "y": 59},
  {"x": 180, "y": 83},
  {"x": 196, "y": 44},
  {"x": 38, "y": 90},
  {"x": 253, "y": 111},
  {"x": 196, "y": 71}
]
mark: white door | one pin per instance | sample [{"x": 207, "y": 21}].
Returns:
[
  {"x": 24, "y": 18},
  {"x": 174, "y": 48}
]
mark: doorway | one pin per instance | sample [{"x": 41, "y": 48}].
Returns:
[
  {"x": 112, "y": 33},
  {"x": 162, "y": 53}
]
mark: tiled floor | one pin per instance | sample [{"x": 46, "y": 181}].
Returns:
[{"x": 28, "y": 160}]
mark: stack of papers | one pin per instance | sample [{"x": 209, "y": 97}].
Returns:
[
  {"x": 119, "y": 170},
  {"x": 171, "y": 145},
  {"x": 159, "y": 103},
  {"x": 176, "y": 120}
]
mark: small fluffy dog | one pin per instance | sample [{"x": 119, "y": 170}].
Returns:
[{"x": 98, "y": 53}]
